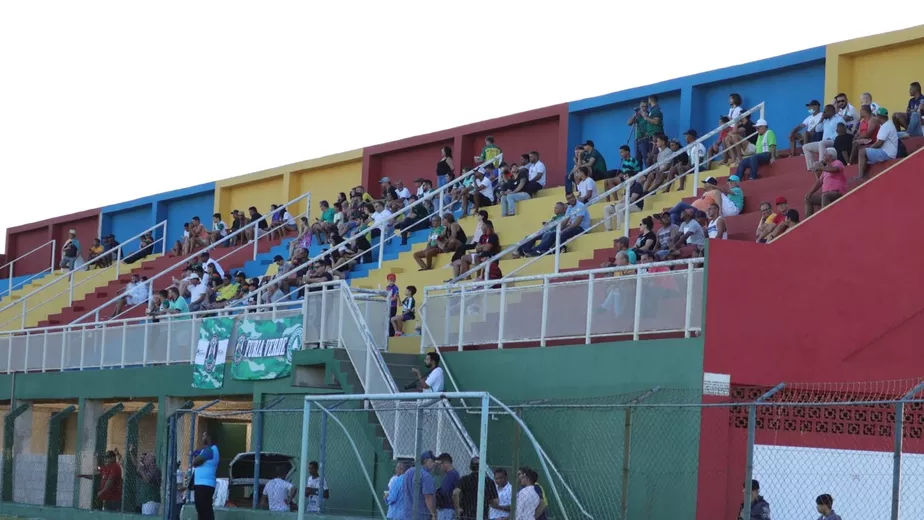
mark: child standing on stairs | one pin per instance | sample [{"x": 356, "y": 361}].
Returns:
[
  {"x": 408, "y": 305},
  {"x": 393, "y": 295}
]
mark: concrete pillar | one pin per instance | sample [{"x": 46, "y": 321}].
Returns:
[{"x": 88, "y": 418}]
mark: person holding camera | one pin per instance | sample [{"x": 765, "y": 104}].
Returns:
[{"x": 434, "y": 381}]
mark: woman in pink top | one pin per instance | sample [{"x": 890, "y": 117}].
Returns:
[{"x": 830, "y": 183}]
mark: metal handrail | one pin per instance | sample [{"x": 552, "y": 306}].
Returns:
[
  {"x": 381, "y": 227},
  {"x": 73, "y": 273},
  {"x": 600, "y": 198},
  {"x": 12, "y": 263},
  {"x": 253, "y": 225}
]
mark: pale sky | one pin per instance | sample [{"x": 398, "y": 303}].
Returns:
[{"x": 106, "y": 101}]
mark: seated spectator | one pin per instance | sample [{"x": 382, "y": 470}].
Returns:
[
  {"x": 614, "y": 301},
  {"x": 454, "y": 234},
  {"x": 647, "y": 241},
  {"x": 884, "y": 149},
  {"x": 518, "y": 189},
  {"x": 594, "y": 161},
  {"x": 578, "y": 221},
  {"x": 628, "y": 168},
  {"x": 260, "y": 229},
  {"x": 665, "y": 168},
  {"x": 586, "y": 187},
  {"x": 197, "y": 293},
  {"x": 908, "y": 123},
  {"x": 432, "y": 248},
  {"x": 134, "y": 293},
  {"x": 867, "y": 99},
  {"x": 536, "y": 168},
  {"x": 481, "y": 194},
  {"x": 529, "y": 246},
  {"x": 145, "y": 248},
  {"x": 283, "y": 223},
  {"x": 843, "y": 143},
  {"x": 617, "y": 211},
  {"x": 792, "y": 218},
  {"x": 847, "y": 112},
  {"x": 488, "y": 245},
  {"x": 415, "y": 220},
  {"x": 805, "y": 132},
  {"x": 460, "y": 251},
  {"x": 867, "y": 130},
  {"x": 95, "y": 250},
  {"x": 621, "y": 245},
  {"x": 737, "y": 142},
  {"x": 731, "y": 200},
  {"x": 112, "y": 253},
  {"x": 159, "y": 305},
  {"x": 381, "y": 219},
  {"x": 814, "y": 151},
  {"x": 719, "y": 143},
  {"x": 695, "y": 153},
  {"x": 238, "y": 222},
  {"x": 408, "y": 307},
  {"x": 324, "y": 225},
  {"x": 580, "y": 157},
  {"x": 401, "y": 191},
  {"x": 388, "y": 190},
  {"x": 667, "y": 236},
  {"x": 830, "y": 179},
  {"x": 769, "y": 220},
  {"x": 198, "y": 237},
  {"x": 691, "y": 240},
  {"x": 716, "y": 228},
  {"x": 219, "y": 229},
  {"x": 225, "y": 293},
  {"x": 765, "y": 151}
]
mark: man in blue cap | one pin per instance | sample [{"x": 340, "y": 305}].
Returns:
[{"x": 420, "y": 489}]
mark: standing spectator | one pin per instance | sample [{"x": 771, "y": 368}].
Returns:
[
  {"x": 829, "y": 121},
  {"x": 488, "y": 152},
  {"x": 529, "y": 502},
  {"x": 847, "y": 112},
  {"x": 910, "y": 120},
  {"x": 279, "y": 492},
  {"x": 830, "y": 180},
  {"x": 149, "y": 487},
  {"x": 824, "y": 504},
  {"x": 765, "y": 151},
  {"x": 643, "y": 133},
  {"x": 393, "y": 297},
  {"x": 421, "y": 495},
  {"x": 110, "y": 484},
  {"x": 629, "y": 167},
  {"x": 434, "y": 382},
  {"x": 465, "y": 494},
  {"x": 206, "y": 467},
  {"x": 536, "y": 170},
  {"x": 804, "y": 132},
  {"x": 587, "y": 188},
  {"x": 445, "y": 509},
  {"x": 70, "y": 251},
  {"x": 502, "y": 510},
  {"x": 655, "y": 117},
  {"x": 866, "y": 134},
  {"x": 444, "y": 167},
  {"x": 314, "y": 487},
  {"x": 758, "y": 509},
  {"x": 395, "y": 496},
  {"x": 408, "y": 306},
  {"x": 884, "y": 149}
]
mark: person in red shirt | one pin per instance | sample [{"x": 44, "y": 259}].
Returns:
[{"x": 110, "y": 482}]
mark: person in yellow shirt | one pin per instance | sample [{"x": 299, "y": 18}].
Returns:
[{"x": 95, "y": 250}]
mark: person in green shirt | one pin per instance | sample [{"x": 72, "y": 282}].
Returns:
[
  {"x": 489, "y": 152},
  {"x": 176, "y": 303},
  {"x": 322, "y": 227},
  {"x": 595, "y": 161},
  {"x": 424, "y": 257},
  {"x": 643, "y": 133},
  {"x": 765, "y": 149}
]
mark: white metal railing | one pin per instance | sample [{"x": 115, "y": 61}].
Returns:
[
  {"x": 557, "y": 225},
  {"x": 383, "y": 230},
  {"x": 252, "y": 226},
  {"x": 9, "y": 267},
  {"x": 499, "y": 312},
  {"x": 169, "y": 340},
  {"x": 68, "y": 282}
]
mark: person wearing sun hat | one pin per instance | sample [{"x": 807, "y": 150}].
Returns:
[{"x": 765, "y": 151}]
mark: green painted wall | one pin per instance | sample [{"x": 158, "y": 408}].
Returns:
[{"x": 587, "y": 444}]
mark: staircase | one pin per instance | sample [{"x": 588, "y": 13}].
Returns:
[{"x": 379, "y": 373}]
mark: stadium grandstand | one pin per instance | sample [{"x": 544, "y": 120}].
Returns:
[{"x": 643, "y": 305}]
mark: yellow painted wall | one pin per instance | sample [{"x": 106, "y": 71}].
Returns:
[
  {"x": 324, "y": 177},
  {"x": 882, "y": 64}
]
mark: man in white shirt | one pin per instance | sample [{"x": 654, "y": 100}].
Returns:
[
  {"x": 536, "y": 169},
  {"x": 504, "y": 496},
  {"x": 206, "y": 260},
  {"x": 815, "y": 151},
  {"x": 587, "y": 188},
  {"x": 315, "y": 485},
  {"x": 847, "y": 112},
  {"x": 434, "y": 381},
  {"x": 804, "y": 133},
  {"x": 402, "y": 191},
  {"x": 884, "y": 149},
  {"x": 483, "y": 195},
  {"x": 380, "y": 217},
  {"x": 136, "y": 293},
  {"x": 278, "y": 493},
  {"x": 867, "y": 99},
  {"x": 528, "y": 499},
  {"x": 197, "y": 293},
  {"x": 219, "y": 228}
]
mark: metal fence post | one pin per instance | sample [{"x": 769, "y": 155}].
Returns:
[
  {"x": 322, "y": 458},
  {"x": 303, "y": 463},
  {"x": 752, "y": 435},
  {"x": 897, "y": 454},
  {"x": 501, "y": 315}
]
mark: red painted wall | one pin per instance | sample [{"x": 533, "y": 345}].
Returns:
[
  {"x": 22, "y": 239},
  {"x": 836, "y": 300},
  {"x": 544, "y": 130}
]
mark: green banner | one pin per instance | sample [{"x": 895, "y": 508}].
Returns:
[
  {"x": 263, "y": 349},
  {"x": 212, "y": 352}
]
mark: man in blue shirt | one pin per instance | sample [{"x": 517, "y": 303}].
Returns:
[
  {"x": 815, "y": 151},
  {"x": 206, "y": 467},
  {"x": 421, "y": 494},
  {"x": 577, "y": 220},
  {"x": 446, "y": 510},
  {"x": 396, "y": 497}
]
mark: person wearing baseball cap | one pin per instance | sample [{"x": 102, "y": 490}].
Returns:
[
  {"x": 421, "y": 495},
  {"x": 765, "y": 151},
  {"x": 884, "y": 149},
  {"x": 805, "y": 132}
]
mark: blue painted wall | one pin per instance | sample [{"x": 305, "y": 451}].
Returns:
[
  {"x": 785, "y": 83},
  {"x": 127, "y": 219}
]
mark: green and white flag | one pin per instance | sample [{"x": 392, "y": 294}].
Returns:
[
  {"x": 212, "y": 352},
  {"x": 263, "y": 349}
]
